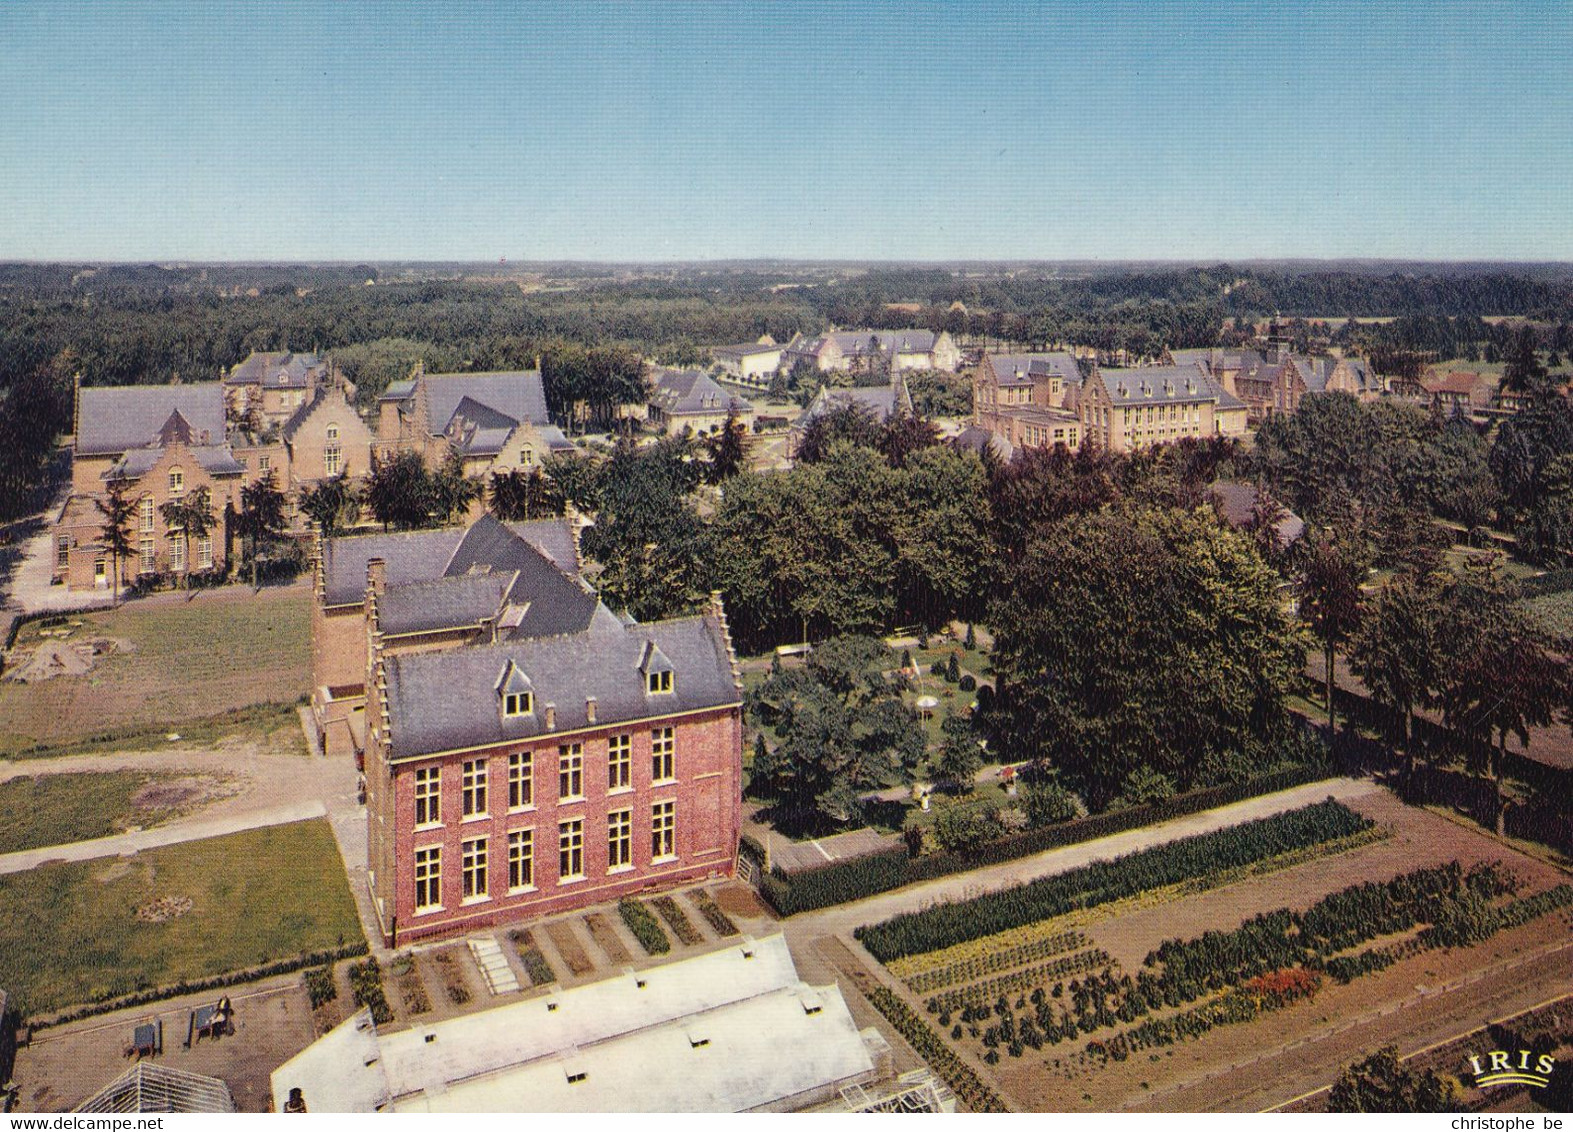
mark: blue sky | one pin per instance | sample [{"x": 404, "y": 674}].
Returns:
[{"x": 834, "y": 129}]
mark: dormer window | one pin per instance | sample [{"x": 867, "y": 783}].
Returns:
[
  {"x": 516, "y": 693},
  {"x": 517, "y": 703},
  {"x": 659, "y": 681},
  {"x": 177, "y": 481},
  {"x": 658, "y": 674}
]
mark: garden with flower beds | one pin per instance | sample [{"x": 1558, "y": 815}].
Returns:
[{"x": 1026, "y": 983}]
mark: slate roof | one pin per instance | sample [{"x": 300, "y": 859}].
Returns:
[
  {"x": 517, "y": 395},
  {"x": 884, "y": 400},
  {"x": 276, "y": 370},
  {"x": 423, "y": 556},
  {"x": 447, "y": 700},
  {"x": 1024, "y": 369},
  {"x": 976, "y": 439},
  {"x": 1160, "y": 385},
  {"x": 745, "y": 350},
  {"x": 113, "y": 420},
  {"x": 1237, "y": 504},
  {"x": 689, "y": 391},
  {"x": 398, "y": 390},
  {"x": 215, "y": 459},
  {"x": 554, "y": 438},
  {"x": 444, "y": 603},
  {"x": 298, "y": 417}
]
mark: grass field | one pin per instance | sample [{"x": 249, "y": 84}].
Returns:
[
  {"x": 58, "y": 808},
  {"x": 255, "y": 649},
  {"x": 70, "y": 933}
]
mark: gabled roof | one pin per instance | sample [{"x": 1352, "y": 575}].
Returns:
[
  {"x": 444, "y": 603},
  {"x": 1024, "y": 369},
  {"x": 517, "y": 396},
  {"x": 884, "y": 400},
  {"x": 215, "y": 459},
  {"x": 423, "y": 556},
  {"x": 745, "y": 350},
  {"x": 113, "y": 420},
  {"x": 446, "y": 700},
  {"x": 975, "y": 439},
  {"x": 276, "y": 370},
  {"x": 692, "y": 391},
  {"x": 1237, "y": 505},
  {"x": 1457, "y": 381}
]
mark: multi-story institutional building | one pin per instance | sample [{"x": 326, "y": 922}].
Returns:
[
  {"x": 1122, "y": 409},
  {"x": 525, "y": 750},
  {"x": 753, "y": 363},
  {"x": 1029, "y": 400},
  {"x": 1274, "y": 381},
  {"x": 874, "y": 351},
  {"x": 881, "y": 401}
]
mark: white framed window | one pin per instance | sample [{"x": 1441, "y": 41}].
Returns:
[
  {"x": 662, "y": 745},
  {"x": 145, "y": 555},
  {"x": 663, "y": 831},
  {"x": 472, "y": 871},
  {"x": 264, "y": 463},
  {"x": 332, "y": 460},
  {"x": 659, "y": 681},
  {"x": 177, "y": 551},
  {"x": 619, "y": 840},
  {"x": 63, "y": 552},
  {"x": 521, "y": 780},
  {"x": 428, "y": 796},
  {"x": 521, "y": 860},
  {"x": 205, "y": 552},
  {"x": 570, "y": 772},
  {"x": 619, "y": 762},
  {"x": 177, "y": 481},
  {"x": 473, "y": 794},
  {"x": 428, "y": 879},
  {"x": 333, "y": 432},
  {"x": 570, "y": 850},
  {"x": 145, "y": 515}
]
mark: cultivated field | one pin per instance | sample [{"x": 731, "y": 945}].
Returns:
[
  {"x": 1079, "y": 1010},
  {"x": 255, "y": 649}
]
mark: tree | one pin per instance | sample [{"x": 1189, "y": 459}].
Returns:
[
  {"x": 1141, "y": 637},
  {"x": 852, "y": 422},
  {"x": 115, "y": 532},
  {"x": 1331, "y": 570},
  {"x": 960, "y": 756},
  {"x": 521, "y": 496},
  {"x": 191, "y": 514},
  {"x": 1501, "y": 679},
  {"x": 1397, "y": 652},
  {"x": 1524, "y": 371},
  {"x": 261, "y": 517},
  {"x": 328, "y": 502},
  {"x": 728, "y": 449},
  {"x": 1046, "y": 801},
  {"x": 961, "y": 826},
  {"x": 903, "y": 435},
  {"x": 843, "y": 730},
  {"x": 450, "y": 491},
  {"x": 1382, "y": 1083},
  {"x": 399, "y": 492}
]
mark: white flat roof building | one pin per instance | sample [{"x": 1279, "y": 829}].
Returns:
[{"x": 733, "y": 1030}]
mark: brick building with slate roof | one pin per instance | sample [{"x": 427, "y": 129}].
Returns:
[{"x": 525, "y": 750}]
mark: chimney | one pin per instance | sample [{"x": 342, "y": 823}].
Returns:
[
  {"x": 589, "y": 709},
  {"x": 206, "y": 437},
  {"x": 376, "y": 575},
  {"x": 551, "y": 717}
]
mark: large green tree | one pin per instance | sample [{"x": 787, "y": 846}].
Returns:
[
  {"x": 843, "y": 730},
  {"x": 1383, "y": 1083},
  {"x": 1398, "y": 651},
  {"x": 116, "y": 511},
  {"x": 1143, "y": 639},
  {"x": 1330, "y": 573}
]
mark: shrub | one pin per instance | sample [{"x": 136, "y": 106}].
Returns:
[
  {"x": 968, "y": 682},
  {"x": 966, "y": 1084},
  {"x": 1049, "y": 803},
  {"x": 971, "y": 641},
  {"x": 1145, "y": 787},
  {"x": 964, "y": 826},
  {"x": 366, "y": 985},
  {"x": 646, "y": 928},
  {"x": 711, "y": 911},
  {"x": 676, "y": 919},
  {"x": 320, "y": 986},
  {"x": 953, "y": 668}
]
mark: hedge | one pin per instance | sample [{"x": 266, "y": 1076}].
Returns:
[
  {"x": 646, "y": 928},
  {"x": 216, "y": 982},
  {"x": 790, "y": 893},
  {"x": 1103, "y": 882}
]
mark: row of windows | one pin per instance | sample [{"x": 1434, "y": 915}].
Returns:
[
  {"x": 147, "y": 559},
  {"x": 475, "y": 856},
  {"x": 475, "y": 800},
  {"x": 516, "y": 704}
]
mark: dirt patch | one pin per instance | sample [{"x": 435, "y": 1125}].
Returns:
[
  {"x": 606, "y": 939},
  {"x": 454, "y": 985},
  {"x": 568, "y": 946},
  {"x": 412, "y": 993},
  {"x": 168, "y": 797},
  {"x": 739, "y": 900},
  {"x": 163, "y": 909},
  {"x": 113, "y": 872}
]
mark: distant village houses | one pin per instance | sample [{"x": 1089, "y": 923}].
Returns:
[
  {"x": 690, "y": 399},
  {"x": 874, "y": 351}
]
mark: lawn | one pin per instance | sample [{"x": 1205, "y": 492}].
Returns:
[
  {"x": 1552, "y": 612},
  {"x": 54, "y": 809},
  {"x": 71, "y": 932},
  {"x": 254, "y": 649}
]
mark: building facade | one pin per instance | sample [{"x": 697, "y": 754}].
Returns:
[
  {"x": 1029, "y": 400},
  {"x": 690, "y": 399},
  {"x": 882, "y": 351}
]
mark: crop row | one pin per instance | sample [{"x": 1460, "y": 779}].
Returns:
[
  {"x": 966, "y": 1084},
  {"x": 366, "y": 985},
  {"x": 1025, "y": 979},
  {"x": 1271, "y": 991},
  {"x": 1106, "y": 881},
  {"x": 646, "y": 928},
  {"x": 907, "y": 966},
  {"x": 1002, "y": 960}
]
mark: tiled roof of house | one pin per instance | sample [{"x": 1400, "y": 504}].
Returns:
[
  {"x": 883, "y": 400},
  {"x": 416, "y": 556},
  {"x": 688, "y": 391},
  {"x": 444, "y": 603},
  {"x": 745, "y": 350},
  {"x": 518, "y": 395},
  {"x": 447, "y": 700},
  {"x": 1237, "y": 504},
  {"x": 277, "y": 370},
  {"x": 1456, "y": 381},
  {"x": 113, "y": 420}
]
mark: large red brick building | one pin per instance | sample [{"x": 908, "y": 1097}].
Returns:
[{"x": 525, "y": 750}]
